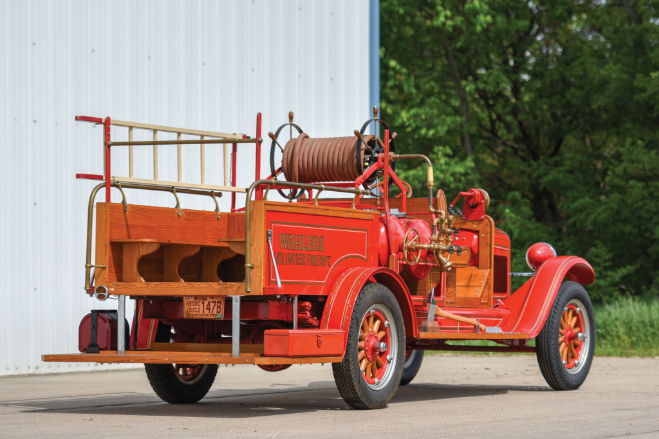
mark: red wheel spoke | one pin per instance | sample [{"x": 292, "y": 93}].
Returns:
[
  {"x": 370, "y": 323},
  {"x": 376, "y": 326},
  {"x": 379, "y": 361}
]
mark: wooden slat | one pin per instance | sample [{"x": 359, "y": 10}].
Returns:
[
  {"x": 472, "y": 336},
  {"x": 174, "y": 254},
  {"x": 130, "y": 153},
  {"x": 151, "y": 357},
  {"x": 155, "y": 157},
  {"x": 132, "y": 252},
  {"x": 162, "y": 224},
  {"x": 337, "y": 212},
  {"x": 157, "y": 182},
  {"x": 175, "y": 130},
  {"x": 102, "y": 242},
  {"x": 179, "y": 289},
  {"x": 256, "y": 349}
]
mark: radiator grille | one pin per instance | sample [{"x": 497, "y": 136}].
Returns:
[{"x": 500, "y": 274}]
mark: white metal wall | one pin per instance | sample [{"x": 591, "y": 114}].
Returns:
[{"x": 209, "y": 65}]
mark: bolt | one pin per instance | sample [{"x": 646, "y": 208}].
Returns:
[
  {"x": 362, "y": 369},
  {"x": 580, "y": 336},
  {"x": 578, "y": 310},
  {"x": 371, "y": 312},
  {"x": 389, "y": 357},
  {"x": 381, "y": 346},
  {"x": 565, "y": 309},
  {"x": 386, "y": 323},
  {"x": 377, "y": 381},
  {"x": 576, "y": 362},
  {"x": 564, "y": 362}
]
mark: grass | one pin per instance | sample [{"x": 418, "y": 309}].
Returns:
[
  {"x": 625, "y": 328},
  {"x": 628, "y": 328}
]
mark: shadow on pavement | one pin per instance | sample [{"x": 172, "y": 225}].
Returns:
[{"x": 317, "y": 396}]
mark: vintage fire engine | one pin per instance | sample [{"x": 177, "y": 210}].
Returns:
[{"x": 367, "y": 280}]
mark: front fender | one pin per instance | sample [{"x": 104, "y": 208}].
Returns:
[
  {"x": 532, "y": 302},
  {"x": 344, "y": 292}
]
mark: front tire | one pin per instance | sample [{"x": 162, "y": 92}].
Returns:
[
  {"x": 370, "y": 372},
  {"x": 566, "y": 344},
  {"x": 179, "y": 383}
]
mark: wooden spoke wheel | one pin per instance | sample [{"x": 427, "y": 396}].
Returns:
[
  {"x": 572, "y": 341},
  {"x": 375, "y": 346},
  {"x": 370, "y": 372},
  {"x": 566, "y": 342}
]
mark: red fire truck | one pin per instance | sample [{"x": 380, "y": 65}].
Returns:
[{"x": 347, "y": 268}]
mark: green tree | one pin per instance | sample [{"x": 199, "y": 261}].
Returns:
[{"x": 551, "y": 106}]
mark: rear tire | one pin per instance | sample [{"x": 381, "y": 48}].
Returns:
[
  {"x": 180, "y": 383},
  {"x": 411, "y": 366},
  {"x": 370, "y": 372},
  {"x": 566, "y": 344}
]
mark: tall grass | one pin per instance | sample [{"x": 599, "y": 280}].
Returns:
[{"x": 628, "y": 327}]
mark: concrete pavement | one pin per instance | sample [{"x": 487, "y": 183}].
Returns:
[{"x": 453, "y": 396}]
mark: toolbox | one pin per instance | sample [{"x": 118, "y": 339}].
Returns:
[{"x": 303, "y": 342}]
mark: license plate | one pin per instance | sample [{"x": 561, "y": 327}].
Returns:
[{"x": 203, "y": 307}]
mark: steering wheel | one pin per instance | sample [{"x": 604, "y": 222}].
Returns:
[{"x": 293, "y": 194}]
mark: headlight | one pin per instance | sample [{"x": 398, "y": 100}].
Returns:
[{"x": 538, "y": 253}]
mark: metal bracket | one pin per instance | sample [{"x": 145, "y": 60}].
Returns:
[
  {"x": 265, "y": 196},
  {"x": 315, "y": 200},
  {"x": 217, "y": 206},
  {"x": 354, "y": 200},
  {"x": 123, "y": 197},
  {"x": 178, "y": 203}
]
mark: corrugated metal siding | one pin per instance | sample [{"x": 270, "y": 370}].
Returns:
[{"x": 205, "y": 65}]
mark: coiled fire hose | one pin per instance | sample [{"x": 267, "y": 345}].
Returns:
[{"x": 311, "y": 160}]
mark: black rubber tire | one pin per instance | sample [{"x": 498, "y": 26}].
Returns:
[
  {"x": 411, "y": 367},
  {"x": 169, "y": 387},
  {"x": 547, "y": 346},
  {"x": 347, "y": 375}
]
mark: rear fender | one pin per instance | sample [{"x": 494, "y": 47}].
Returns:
[
  {"x": 532, "y": 302},
  {"x": 344, "y": 292}
]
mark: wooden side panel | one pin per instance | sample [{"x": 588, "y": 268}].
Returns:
[
  {"x": 257, "y": 246},
  {"x": 132, "y": 253},
  {"x": 468, "y": 287},
  {"x": 174, "y": 254},
  {"x": 235, "y": 225},
  {"x": 161, "y": 224},
  {"x": 211, "y": 259},
  {"x": 102, "y": 243}
]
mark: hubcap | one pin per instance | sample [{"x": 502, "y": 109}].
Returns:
[
  {"x": 377, "y": 347},
  {"x": 573, "y": 340}
]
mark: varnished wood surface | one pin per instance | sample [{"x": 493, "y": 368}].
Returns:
[
  {"x": 102, "y": 254},
  {"x": 132, "y": 253},
  {"x": 178, "y": 289},
  {"x": 339, "y": 212},
  {"x": 471, "y": 336},
  {"x": 174, "y": 254},
  {"x": 162, "y": 224},
  {"x": 151, "y": 357},
  {"x": 253, "y": 349}
]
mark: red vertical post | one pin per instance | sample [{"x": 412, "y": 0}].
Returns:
[
  {"x": 259, "y": 192},
  {"x": 106, "y": 145},
  {"x": 385, "y": 188},
  {"x": 233, "y": 175}
]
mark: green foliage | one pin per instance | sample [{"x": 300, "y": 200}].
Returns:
[
  {"x": 628, "y": 328},
  {"x": 551, "y": 106}
]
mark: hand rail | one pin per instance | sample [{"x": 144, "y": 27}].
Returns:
[
  {"x": 248, "y": 201},
  {"x": 120, "y": 186}
]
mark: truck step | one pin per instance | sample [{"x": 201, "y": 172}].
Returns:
[{"x": 472, "y": 335}]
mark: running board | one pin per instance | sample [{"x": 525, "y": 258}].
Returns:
[
  {"x": 162, "y": 357},
  {"x": 473, "y": 336}
]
